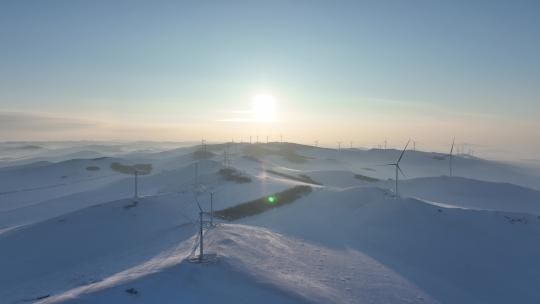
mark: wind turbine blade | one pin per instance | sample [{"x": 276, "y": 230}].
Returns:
[
  {"x": 399, "y": 168},
  {"x": 452, "y": 149},
  {"x": 403, "y": 152},
  {"x": 198, "y": 205}
]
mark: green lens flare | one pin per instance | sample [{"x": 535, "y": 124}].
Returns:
[{"x": 271, "y": 199}]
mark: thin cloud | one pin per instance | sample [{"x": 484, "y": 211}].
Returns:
[{"x": 30, "y": 125}]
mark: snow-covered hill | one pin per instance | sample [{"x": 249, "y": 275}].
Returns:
[{"x": 71, "y": 232}]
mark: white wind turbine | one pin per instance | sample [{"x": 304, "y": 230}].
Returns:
[
  {"x": 398, "y": 168},
  {"x": 451, "y": 155}
]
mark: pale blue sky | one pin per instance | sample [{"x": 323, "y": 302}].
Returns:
[{"x": 469, "y": 69}]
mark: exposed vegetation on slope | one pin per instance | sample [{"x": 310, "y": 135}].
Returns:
[
  {"x": 264, "y": 203},
  {"x": 366, "y": 178},
  {"x": 142, "y": 169},
  {"x": 301, "y": 178},
  {"x": 233, "y": 175}
]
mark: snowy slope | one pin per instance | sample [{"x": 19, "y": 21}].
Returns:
[
  {"x": 457, "y": 256},
  {"x": 73, "y": 234},
  {"x": 474, "y": 194},
  {"x": 289, "y": 270}
]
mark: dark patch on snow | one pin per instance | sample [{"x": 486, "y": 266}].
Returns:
[
  {"x": 263, "y": 204},
  {"x": 133, "y": 204},
  {"x": 301, "y": 178},
  {"x": 231, "y": 174},
  {"x": 366, "y": 178},
  {"x": 142, "y": 169},
  {"x": 100, "y": 158},
  {"x": 516, "y": 220}
]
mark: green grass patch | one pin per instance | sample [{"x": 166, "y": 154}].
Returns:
[
  {"x": 92, "y": 168},
  {"x": 264, "y": 203}
]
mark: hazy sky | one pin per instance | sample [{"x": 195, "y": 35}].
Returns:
[{"x": 335, "y": 70}]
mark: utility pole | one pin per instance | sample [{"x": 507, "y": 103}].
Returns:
[
  {"x": 203, "y": 145},
  {"x": 339, "y": 145}
]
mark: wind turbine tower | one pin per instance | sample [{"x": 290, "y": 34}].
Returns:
[{"x": 201, "y": 213}]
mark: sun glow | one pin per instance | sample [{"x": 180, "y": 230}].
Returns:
[{"x": 264, "y": 108}]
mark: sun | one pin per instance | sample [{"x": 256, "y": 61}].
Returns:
[{"x": 263, "y": 108}]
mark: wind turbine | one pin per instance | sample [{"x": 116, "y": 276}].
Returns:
[
  {"x": 451, "y": 155},
  {"x": 396, "y": 164},
  {"x": 201, "y": 212}
]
